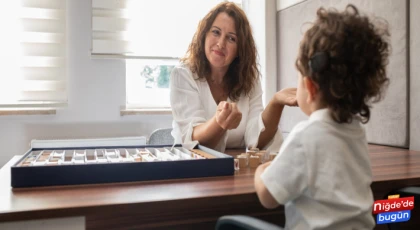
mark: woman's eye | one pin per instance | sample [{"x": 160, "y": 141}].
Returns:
[
  {"x": 215, "y": 32},
  {"x": 232, "y": 39}
]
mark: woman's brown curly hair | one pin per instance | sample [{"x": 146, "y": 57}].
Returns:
[
  {"x": 357, "y": 53},
  {"x": 243, "y": 70}
]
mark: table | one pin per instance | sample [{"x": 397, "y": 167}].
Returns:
[{"x": 179, "y": 204}]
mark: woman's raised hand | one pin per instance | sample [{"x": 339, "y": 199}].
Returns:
[
  {"x": 287, "y": 97},
  {"x": 228, "y": 115}
]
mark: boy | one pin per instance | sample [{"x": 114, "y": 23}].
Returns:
[{"x": 322, "y": 174}]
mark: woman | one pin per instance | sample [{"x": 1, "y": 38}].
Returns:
[{"x": 216, "y": 94}]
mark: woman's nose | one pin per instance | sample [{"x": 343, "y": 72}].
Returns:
[{"x": 221, "y": 43}]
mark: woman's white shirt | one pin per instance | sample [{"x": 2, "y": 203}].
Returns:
[{"x": 193, "y": 104}]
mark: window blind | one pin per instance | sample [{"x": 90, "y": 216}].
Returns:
[
  {"x": 33, "y": 53},
  {"x": 158, "y": 29}
]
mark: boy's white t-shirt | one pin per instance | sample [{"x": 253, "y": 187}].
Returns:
[{"x": 322, "y": 175}]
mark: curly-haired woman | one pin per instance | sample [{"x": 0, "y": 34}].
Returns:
[{"x": 216, "y": 94}]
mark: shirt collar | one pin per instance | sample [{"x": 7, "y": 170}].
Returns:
[
  {"x": 320, "y": 114},
  {"x": 324, "y": 115}
]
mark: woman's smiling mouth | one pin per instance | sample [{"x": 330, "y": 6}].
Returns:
[{"x": 219, "y": 53}]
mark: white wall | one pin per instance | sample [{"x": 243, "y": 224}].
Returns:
[
  {"x": 96, "y": 90},
  {"x": 262, "y": 17},
  {"x": 414, "y": 75},
  {"x": 389, "y": 118},
  {"x": 283, "y": 4}
]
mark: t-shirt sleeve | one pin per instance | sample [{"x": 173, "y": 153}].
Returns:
[
  {"x": 286, "y": 177},
  {"x": 186, "y": 106},
  {"x": 255, "y": 124}
]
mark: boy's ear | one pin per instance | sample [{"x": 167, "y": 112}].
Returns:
[{"x": 311, "y": 87}]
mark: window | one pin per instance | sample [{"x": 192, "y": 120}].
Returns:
[
  {"x": 147, "y": 83},
  {"x": 151, "y": 36},
  {"x": 33, "y": 66}
]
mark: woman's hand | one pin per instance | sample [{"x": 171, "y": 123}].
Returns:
[
  {"x": 228, "y": 115},
  {"x": 286, "y": 96}
]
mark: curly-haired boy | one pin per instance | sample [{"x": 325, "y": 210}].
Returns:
[{"x": 322, "y": 174}]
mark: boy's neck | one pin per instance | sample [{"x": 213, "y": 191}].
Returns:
[{"x": 316, "y": 105}]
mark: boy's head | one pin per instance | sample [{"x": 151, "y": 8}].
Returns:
[{"x": 342, "y": 60}]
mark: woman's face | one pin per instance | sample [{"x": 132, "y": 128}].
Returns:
[{"x": 221, "y": 42}]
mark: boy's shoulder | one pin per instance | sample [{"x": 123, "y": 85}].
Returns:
[
  {"x": 301, "y": 133},
  {"x": 323, "y": 136},
  {"x": 308, "y": 127},
  {"x": 311, "y": 133},
  {"x": 320, "y": 125}
]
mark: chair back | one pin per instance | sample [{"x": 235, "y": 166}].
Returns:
[{"x": 161, "y": 137}]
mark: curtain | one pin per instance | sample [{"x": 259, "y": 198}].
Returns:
[{"x": 33, "y": 53}]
